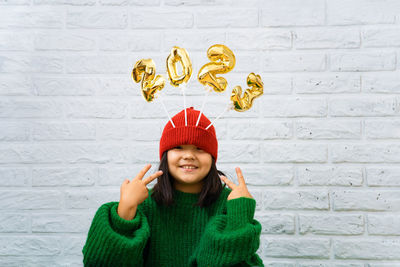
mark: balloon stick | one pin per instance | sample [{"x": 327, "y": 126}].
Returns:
[
  {"x": 208, "y": 90},
  {"x": 165, "y": 109},
  {"x": 228, "y": 107},
  {"x": 183, "y": 87}
]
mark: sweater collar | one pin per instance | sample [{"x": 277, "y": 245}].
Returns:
[{"x": 185, "y": 198}]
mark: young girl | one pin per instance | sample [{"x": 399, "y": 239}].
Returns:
[{"x": 188, "y": 218}]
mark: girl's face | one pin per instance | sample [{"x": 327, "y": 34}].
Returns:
[{"x": 188, "y": 165}]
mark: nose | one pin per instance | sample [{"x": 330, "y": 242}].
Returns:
[{"x": 188, "y": 154}]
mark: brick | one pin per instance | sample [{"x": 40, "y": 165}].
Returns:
[
  {"x": 14, "y": 223},
  {"x": 30, "y": 64},
  {"x": 348, "y": 200},
  {"x": 31, "y": 199},
  {"x": 277, "y": 224},
  {"x": 331, "y": 224},
  {"x": 292, "y": 13},
  {"x": 363, "y": 61},
  {"x": 382, "y": 176},
  {"x": 14, "y": 176},
  {"x": 157, "y": 19},
  {"x": 329, "y": 176},
  {"x": 384, "y": 82},
  {"x": 218, "y": 18},
  {"x": 29, "y": 245},
  {"x": 199, "y": 40},
  {"x": 260, "y": 40},
  {"x": 296, "y": 248},
  {"x": 65, "y": 41},
  {"x": 16, "y": 41},
  {"x": 29, "y": 109},
  {"x": 373, "y": 153},
  {"x": 359, "y": 12},
  {"x": 259, "y": 130},
  {"x": 16, "y": 86},
  {"x": 327, "y": 83},
  {"x": 382, "y": 129},
  {"x": 293, "y": 107},
  {"x": 90, "y": 199},
  {"x": 63, "y": 86},
  {"x": 294, "y": 153},
  {"x": 63, "y": 131},
  {"x": 14, "y": 131},
  {"x": 238, "y": 153},
  {"x": 296, "y": 200},
  {"x": 383, "y": 224},
  {"x": 383, "y": 36},
  {"x": 97, "y": 64},
  {"x": 296, "y": 62},
  {"x": 52, "y": 176},
  {"x": 316, "y": 129},
  {"x": 324, "y": 37},
  {"x": 31, "y": 20},
  {"x": 66, "y": 222},
  {"x": 95, "y": 109},
  {"x": 364, "y": 249},
  {"x": 93, "y": 19},
  {"x": 364, "y": 105},
  {"x": 65, "y": 2}
]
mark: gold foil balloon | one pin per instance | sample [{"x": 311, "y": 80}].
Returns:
[
  {"x": 222, "y": 61},
  {"x": 244, "y": 103},
  {"x": 144, "y": 71},
  {"x": 179, "y": 55}
]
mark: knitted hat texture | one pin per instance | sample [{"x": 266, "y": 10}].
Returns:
[{"x": 190, "y": 134}]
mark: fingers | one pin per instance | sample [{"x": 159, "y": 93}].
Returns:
[
  {"x": 228, "y": 182},
  {"x": 240, "y": 176},
  {"x": 152, "y": 177},
  {"x": 143, "y": 171}
]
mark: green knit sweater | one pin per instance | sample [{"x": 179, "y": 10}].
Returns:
[{"x": 223, "y": 234}]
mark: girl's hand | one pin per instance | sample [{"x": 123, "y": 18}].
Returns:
[
  {"x": 237, "y": 190},
  {"x": 135, "y": 192}
]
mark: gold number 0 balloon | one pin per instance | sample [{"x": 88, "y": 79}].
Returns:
[
  {"x": 244, "y": 103},
  {"x": 179, "y": 55},
  {"x": 222, "y": 61},
  {"x": 144, "y": 71}
]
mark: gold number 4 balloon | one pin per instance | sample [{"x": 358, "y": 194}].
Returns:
[
  {"x": 243, "y": 103},
  {"x": 222, "y": 61},
  {"x": 144, "y": 71},
  {"x": 179, "y": 55}
]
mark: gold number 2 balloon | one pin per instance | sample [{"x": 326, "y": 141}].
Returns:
[
  {"x": 222, "y": 61},
  {"x": 144, "y": 71},
  {"x": 179, "y": 55},
  {"x": 243, "y": 103}
]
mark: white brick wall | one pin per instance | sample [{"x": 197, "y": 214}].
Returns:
[{"x": 320, "y": 149}]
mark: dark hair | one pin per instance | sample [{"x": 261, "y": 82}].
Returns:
[{"x": 162, "y": 191}]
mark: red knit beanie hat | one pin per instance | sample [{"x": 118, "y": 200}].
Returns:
[{"x": 190, "y": 134}]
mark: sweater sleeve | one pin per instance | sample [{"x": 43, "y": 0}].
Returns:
[
  {"x": 114, "y": 241},
  {"x": 230, "y": 239}
]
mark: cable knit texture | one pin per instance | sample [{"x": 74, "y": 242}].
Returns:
[{"x": 223, "y": 234}]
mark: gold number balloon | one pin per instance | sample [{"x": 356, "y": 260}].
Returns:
[
  {"x": 222, "y": 61},
  {"x": 144, "y": 71},
  {"x": 179, "y": 55},
  {"x": 243, "y": 103}
]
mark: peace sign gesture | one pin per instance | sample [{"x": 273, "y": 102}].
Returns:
[
  {"x": 134, "y": 192},
  {"x": 237, "y": 190}
]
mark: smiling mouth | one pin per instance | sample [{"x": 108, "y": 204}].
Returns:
[{"x": 188, "y": 169}]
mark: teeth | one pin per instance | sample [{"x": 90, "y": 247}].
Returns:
[{"x": 188, "y": 167}]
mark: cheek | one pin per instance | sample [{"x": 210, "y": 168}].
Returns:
[
  {"x": 170, "y": 160},
  {"x": 207, "y": 160}
]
